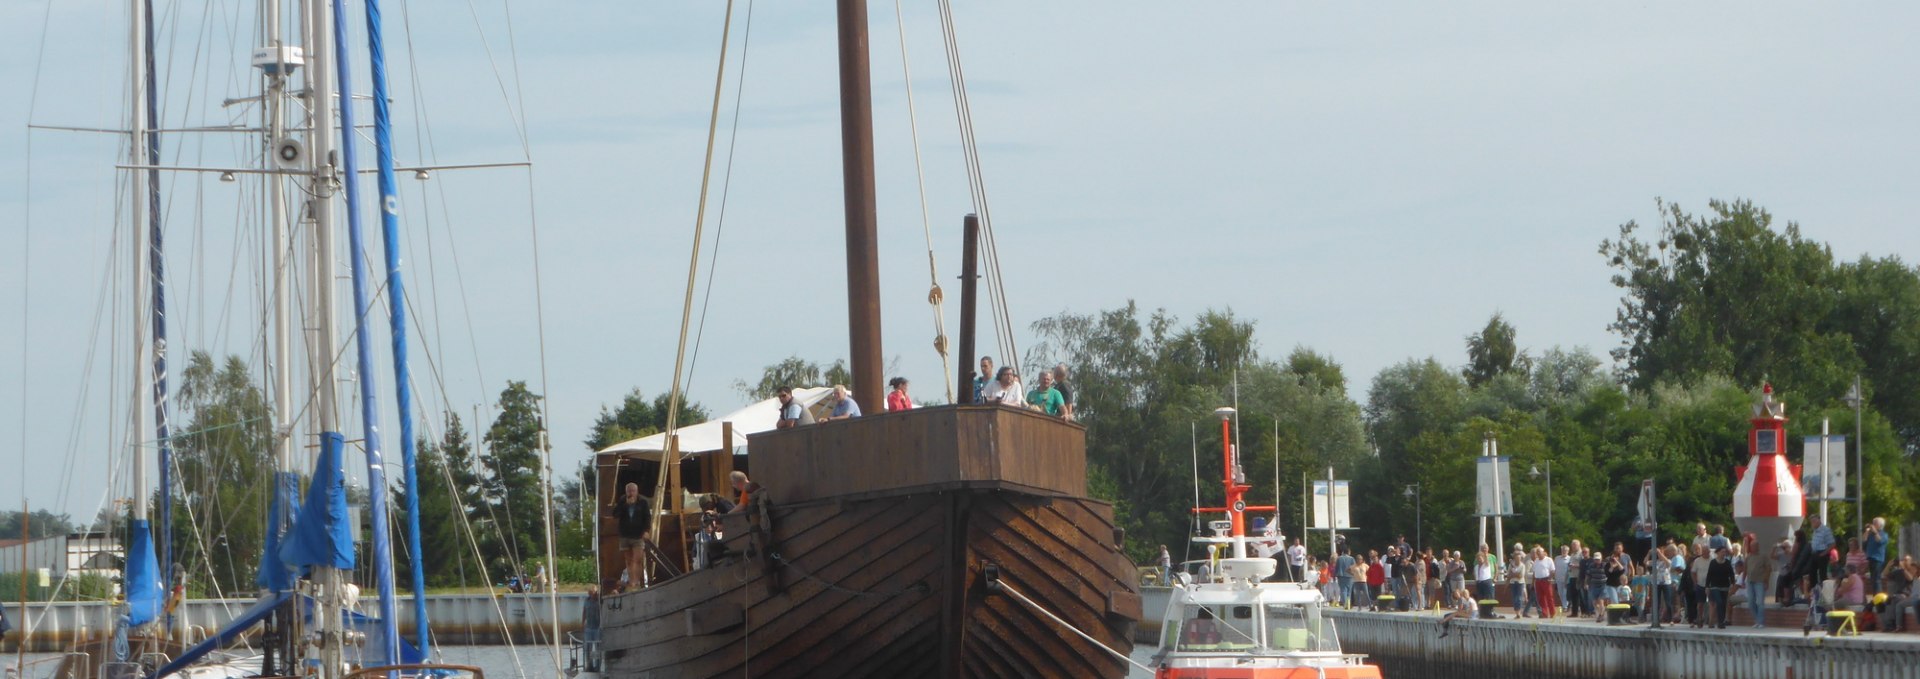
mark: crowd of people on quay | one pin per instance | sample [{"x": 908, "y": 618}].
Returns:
[{"x": 1693, "y": 582}]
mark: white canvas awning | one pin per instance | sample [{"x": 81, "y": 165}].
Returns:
[{"x": 705, "y": 437}]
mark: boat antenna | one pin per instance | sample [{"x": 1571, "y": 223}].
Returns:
[{"x": 1193, "y": 431}]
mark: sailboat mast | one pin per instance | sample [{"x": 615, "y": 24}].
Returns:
[
  {"x": 149, "y": 107},
  {"x": 279, "y": 242},
  {"x": 863, "y": 253},
  {"x": 136, "y": 153},
  {"x": 397, "y": 319},
  {"x": 320, "y": 207},
  {"x": 381, "y": 551}
]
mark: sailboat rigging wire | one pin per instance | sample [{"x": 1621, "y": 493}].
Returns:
[
  {"x": 519, "y": 128},
  {"x": 976, "y": 184},
  {"x": 693, "y": 270},
  {"x": 934, "y": 296},
  {"x": 726, "y": 189}
]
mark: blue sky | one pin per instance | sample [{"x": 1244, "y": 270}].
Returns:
[{"x": 1371, "y": 180}]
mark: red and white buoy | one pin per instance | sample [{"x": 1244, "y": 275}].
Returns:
[{"x": 1768, "y": 501}]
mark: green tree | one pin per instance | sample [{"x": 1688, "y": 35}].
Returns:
[
  {"x": 1728, "y": 294},
  {"x": 1317, "y": 371},
  {"x": 795, "y": 372},
  {"x": 637, "y": 417},
  {"x": 1492, "y": 352},
  {"x": 225, "y": 474},
  {"x": 41, "y": 523},
  {"x": 573, "y": 511},
  {"x": 1724, "y": 293},
  {"x": 513, "y": 489},
  {"x": 450, "y": 497},
  {"x": 1147, "y": 391}
]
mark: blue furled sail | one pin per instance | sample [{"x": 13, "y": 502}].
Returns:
[
  {"x": 145, "y": 594},
  {"x": 157, "y": 286},
  {"x": 382, "y": 550},
  {"x": 275, "y": 575},
  {"x": 397, "y": 318},
  {"x": 321, "y": 535}
]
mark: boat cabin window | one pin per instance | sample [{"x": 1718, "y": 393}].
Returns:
[
  {"x": 1217, "y": 628},
  {"x": 1293, "y": 627}
]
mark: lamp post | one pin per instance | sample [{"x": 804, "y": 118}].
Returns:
[
  {"x": 1534, "y": 473},
  {"x": 1419, "y": 527},
  {"x": 1854, "y": 400}
]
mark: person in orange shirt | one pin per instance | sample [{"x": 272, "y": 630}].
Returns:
[{"x": 898, "y": 399}]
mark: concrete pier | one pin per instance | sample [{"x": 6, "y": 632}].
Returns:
[
  {"x": 456, "y": 619},
  {"x": 1409, "y": 644}
]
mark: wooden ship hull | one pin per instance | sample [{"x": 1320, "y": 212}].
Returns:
[{"x": 878, "y": 552}]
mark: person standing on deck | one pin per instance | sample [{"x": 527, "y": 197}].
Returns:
[
  {"x": 983, "y": 381},
  {"x": 634, "y": 514},
  {"x": 791, "y": 412},
  {"x": 844, "y": 407},
  {"x": 897, "y": 399},
  {"x": 1045, "y": 398},
  {"x": 1065, "y": 388},
  {"x": 746, "y": 489},
  {"x": 1006, "y": 389},
  {"x": 1166, "y": 566}
]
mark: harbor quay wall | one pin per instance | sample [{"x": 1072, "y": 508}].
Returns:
[
  {"x": 455, "y": 619},
  {"x": 1409, "y": 644}
]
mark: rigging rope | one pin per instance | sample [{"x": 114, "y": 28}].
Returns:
[
  {"x": 726, "y": 189},
  {"x": 934, "y": 296},
  {"x": 1004, "y": 588},
  {"x": 693, "y": 270},
  {"x": 976, "y": 184}
]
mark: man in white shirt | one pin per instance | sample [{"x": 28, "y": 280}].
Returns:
[
  {"x": 1006, "y": 389},
  {"x": 1297, "y": 560},
  {"x": 1545, "y": 574}
]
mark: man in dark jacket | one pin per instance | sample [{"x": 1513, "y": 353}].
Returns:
[{"x": 1719, "y": 581}]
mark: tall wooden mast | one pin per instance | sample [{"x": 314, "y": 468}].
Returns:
[{"x": 863, "y": 253}]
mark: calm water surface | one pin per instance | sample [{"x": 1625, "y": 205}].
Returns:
[{"x": 499, "y": 662}]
